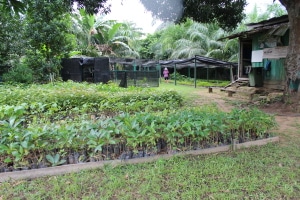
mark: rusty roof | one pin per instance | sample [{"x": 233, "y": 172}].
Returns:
[{"x": 275, "y": 26}]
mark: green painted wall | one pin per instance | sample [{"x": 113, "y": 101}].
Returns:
[{"x": 277, "y": 71}]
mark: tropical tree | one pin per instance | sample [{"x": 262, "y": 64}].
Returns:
[
  {"x": 131, "y": 35},
  {"x": 84, "y": 29},
  {"x": 97, "y": 36},
  {"x": 165, "y": 45},
  {"x": 227, "y": 13},
  {"x": 188, "y": 39},
  {"x": 115, "y": 39},
  {"x": 12, "y": 7},
  {"x": 48, "y": 34},
  {"x": 146, "y": 50},
  {"x": 92, "y": 6},
  {"x": 12, "y": 43},
  {"x": 201, "y": 39}
]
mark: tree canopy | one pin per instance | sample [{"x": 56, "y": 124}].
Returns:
[
  {"x": 228, "y": 13},
  {"x": 91, "y": 6}
]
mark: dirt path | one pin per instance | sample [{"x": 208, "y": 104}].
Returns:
[
  {"x": 289, "y": 128},
  {"x": 222, "y": 100},
  {"x": 288, "y": 121}
]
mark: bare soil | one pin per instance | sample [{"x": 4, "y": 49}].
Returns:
[{"x": 286, "y": 114}]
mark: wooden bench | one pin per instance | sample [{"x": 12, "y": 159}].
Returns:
[{"x": 229, "y": 92}]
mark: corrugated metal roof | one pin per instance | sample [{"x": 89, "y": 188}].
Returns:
[
  {"x": 277, "y": 26},
  {"x": 279, "y": 31}
]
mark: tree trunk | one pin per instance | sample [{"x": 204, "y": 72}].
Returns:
[{"x": 292, "y": 62}]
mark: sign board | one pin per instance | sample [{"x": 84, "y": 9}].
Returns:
[
  {"x": 257, "y": 56},
  {"x": 276, "y": 52}
]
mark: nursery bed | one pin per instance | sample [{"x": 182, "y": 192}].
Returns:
[{"x": 71, "y": 168}]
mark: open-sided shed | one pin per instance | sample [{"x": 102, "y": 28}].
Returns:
[
  {"x": 193, "y": 65},
  {"x": 138, "y": 72}
]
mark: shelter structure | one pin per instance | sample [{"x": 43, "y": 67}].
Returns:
[
  {"x": 262, "y": 53},
  {"x": 87, "y": 69},
  {"x": 194, "y": 65},
  {"x": 139, "y": 72},
  {"x": 129, "y": 72}
]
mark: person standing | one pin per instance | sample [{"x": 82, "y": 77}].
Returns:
[{"x": 166, "y": 74}]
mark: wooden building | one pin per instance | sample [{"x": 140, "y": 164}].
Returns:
[{"x": 262, "y": 53}]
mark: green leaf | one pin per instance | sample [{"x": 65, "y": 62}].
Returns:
[
  {"x": 7, "y": 160},
  {"x": 50, "y": 158}
]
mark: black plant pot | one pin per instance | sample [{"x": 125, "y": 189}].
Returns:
[
  {"x": 76, "y": 157},
  {"x": 70, "y": 159},
  {"x": 33, "y": 166}
]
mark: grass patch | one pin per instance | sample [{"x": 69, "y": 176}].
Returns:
[
  {"x": 269, "y": 172},
  {"x": 188, "y": 92}
]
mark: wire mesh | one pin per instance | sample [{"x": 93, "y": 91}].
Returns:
[{"x": 135, "y": 78}]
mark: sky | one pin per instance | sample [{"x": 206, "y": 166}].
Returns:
[{"x": 134, "y": 11}]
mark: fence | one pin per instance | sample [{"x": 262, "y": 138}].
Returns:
[{"x": 135, "y": 78}]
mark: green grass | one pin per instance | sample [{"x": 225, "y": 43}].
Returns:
[
  {"x": 268, "y": 172},
  {"x": 188, "y": 92}
]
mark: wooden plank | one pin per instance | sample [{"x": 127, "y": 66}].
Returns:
[{"x": 272, "y": 84}]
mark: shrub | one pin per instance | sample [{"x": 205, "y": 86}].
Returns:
[{"x": 19, "y": 73}]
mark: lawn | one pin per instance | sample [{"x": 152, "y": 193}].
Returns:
[{"x": 268, "y": 172}]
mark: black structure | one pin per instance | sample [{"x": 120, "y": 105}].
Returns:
[
  {"x": 87, "y": 69},
  {"x": 128, "y": 78},
  {"x": 130, "y": 72}
]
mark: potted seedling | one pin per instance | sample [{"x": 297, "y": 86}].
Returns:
[{"x": 55, "y": 160}]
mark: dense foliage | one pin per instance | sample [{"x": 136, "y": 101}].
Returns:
[
  {"x": 12, "y": 40},
  {"x": 49, "y": 37},
  {"x": 92, "y": 6},
  {"x": 46, "y": 32},
  {"x": 185, "y": 40},
  {"x": 227, "y": 13}
]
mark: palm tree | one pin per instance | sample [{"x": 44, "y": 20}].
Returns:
[
  {"x": 200, "y": 39},
  {"x": 188, "y": 39},
  {"x": 118, "y": 39},
  {"x": 84, "y": 28},
  {"x": 97, "y": 36},
  {"x": 166, "y": 38},
  {"x": 130, "y": 35}
]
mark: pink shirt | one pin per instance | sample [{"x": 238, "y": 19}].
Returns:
[{"x": 166, "y": 73}]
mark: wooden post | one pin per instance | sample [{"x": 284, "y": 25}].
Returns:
[{"x": 234, "y": 144}]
